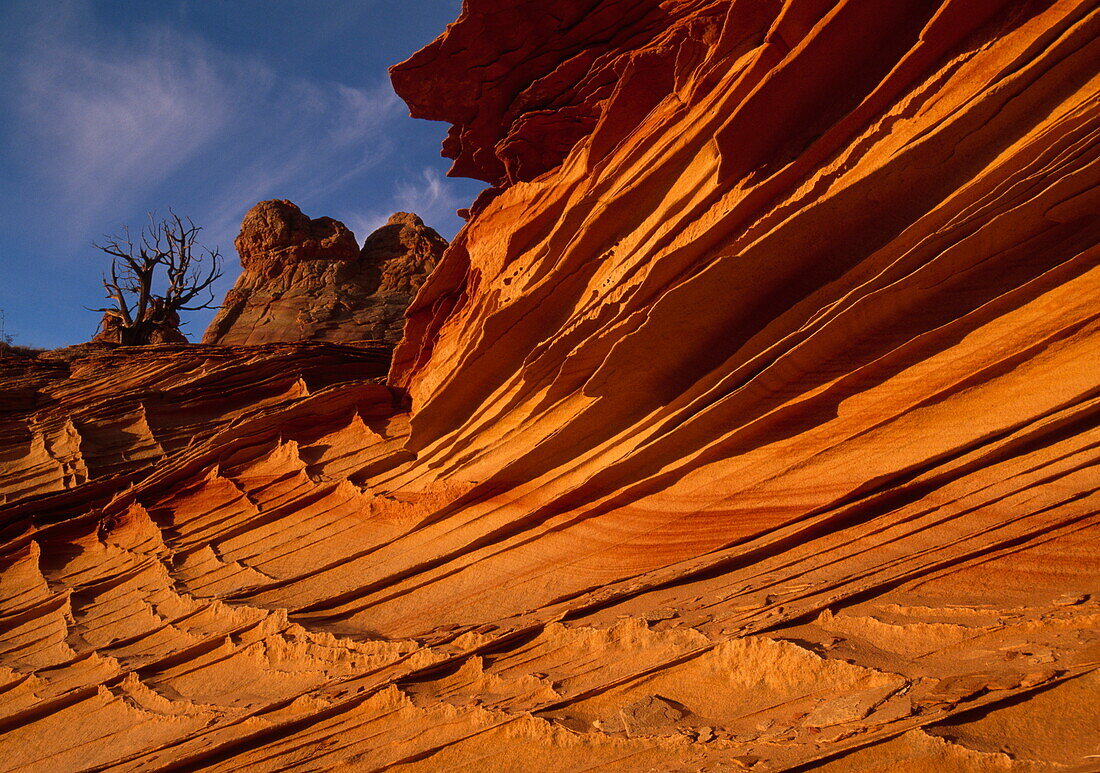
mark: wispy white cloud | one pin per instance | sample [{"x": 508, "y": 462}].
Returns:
[
  {"x": 331, "y": 139},
  {"x": 104, "y": 115},
  {"x": 106, "y": 122},
  {"x": 427, "y": 194},
  {"x": 102, "y": 125}
]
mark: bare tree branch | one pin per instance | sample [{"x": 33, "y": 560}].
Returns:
[{"x": 190, "y": 273}]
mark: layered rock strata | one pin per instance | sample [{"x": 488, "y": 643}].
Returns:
[
  {"x": 307, "y": 279},
  {"x": 749, "y": 424}
]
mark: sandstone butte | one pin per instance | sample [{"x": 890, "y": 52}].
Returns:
[
  {"x": 307, "y": 279},
  {"x": 750, "y": 423}
]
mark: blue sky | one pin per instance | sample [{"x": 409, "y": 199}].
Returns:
[{"x": 112, "y": 108}]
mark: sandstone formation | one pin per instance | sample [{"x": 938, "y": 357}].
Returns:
[
  {"x": 750, "y": 423},
  {"x": 307, "y": 279}
]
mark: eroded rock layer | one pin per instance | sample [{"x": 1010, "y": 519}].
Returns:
[
  {"x": 307, "y": 280},
  {"x": 750, "y": 423}
]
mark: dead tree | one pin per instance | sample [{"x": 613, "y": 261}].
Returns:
[{"x": 140, "y": 315}]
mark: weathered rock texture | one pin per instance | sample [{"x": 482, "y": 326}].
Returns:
[
  {"x": 750, "y": 423},
  {"x": 307, "y": 279}
]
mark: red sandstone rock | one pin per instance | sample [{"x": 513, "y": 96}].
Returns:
[
  {"x": 305, "y": 279},
  {"x": 751, "y": 422},
  {"x": 275, "y": 235}
]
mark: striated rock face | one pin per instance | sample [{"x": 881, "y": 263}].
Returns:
[
  {"x": 751, "y": 423},
  {"x": 308, "y": 280},
  {"x": 526, "y": 80}
]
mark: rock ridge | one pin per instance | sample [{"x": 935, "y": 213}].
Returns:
[
  {"x": 751, "y": 422},
  {"x": 307, "y": 279}
]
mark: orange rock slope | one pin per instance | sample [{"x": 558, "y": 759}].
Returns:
[{"x": 749, "y": 423}]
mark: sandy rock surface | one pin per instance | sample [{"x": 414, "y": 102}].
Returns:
[{"x": 750, "y": 423}]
